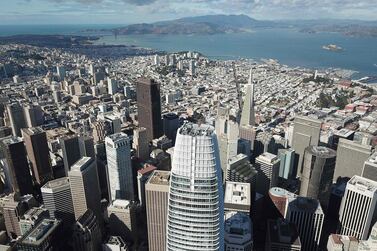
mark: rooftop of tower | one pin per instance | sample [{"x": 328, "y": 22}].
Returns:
[
  {"x": 321, "y": 151},
  {"x": 57, "y": 183},
  {"x": 363, "y": 184},
  {"x": 194, "y": 130}
]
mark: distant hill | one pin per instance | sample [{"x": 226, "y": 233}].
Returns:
[{"x": 211, "y": 24}]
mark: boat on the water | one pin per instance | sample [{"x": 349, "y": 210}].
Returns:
[{"x": 332, "y": 47}]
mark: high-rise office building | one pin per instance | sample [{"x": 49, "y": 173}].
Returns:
[
  {"x": 46, "y": 235},
  {"x": 279, "y": 197},
  {"x": 282, "y": 236},
  {"x": 239, "y": 169},
  {"x": 358, "y": 209},
  {"x": 86, "y": 145},
  {"x": 122, "y": 219},
  {"x": 101, "y": 129},
  {"x": 57, "y": 199},
  {"x": 112, "y": 86},
  {"x": 71, "y": 151},
  {"x": 307, "y": 215},
  {"x": 119, "y": 169},
  {"x": 87, "y": 232},
  {"x": 156, "y": 199},
  {"x": 306, "y": 133},
  {"x": 227, "y": 133},
  {"x": 149, "y": 107},
  {"x": 317, "y": 174},
  {"x": 140, "y": 143},
  {"x": 16, "y": 166},
  {"x": 238, "y": 231},
  {"x": 83, "y": 179},
  {"x": 33, "y": 115},
  {"x": 248, "y": 109},
  {"x": 370, "y": 168},
  {"x": 142, "y": 177},
  {"x": 60, "y": 70},
  {"x": 12, "y": 212},
  {"x": 37, "y": 150},
  {"x": 195, "y": 223},
  {"x": 170, "y": 124},
  {"x": 287, "y": 158},
  {"x": 267, "y": 165},
  {"x": 16, "y": 118},
  {"x": 350, "y": 158}
]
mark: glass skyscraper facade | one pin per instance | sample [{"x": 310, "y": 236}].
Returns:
[{"x": 195, "y": 207}]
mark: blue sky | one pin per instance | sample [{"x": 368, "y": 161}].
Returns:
[{"x": 136, "y": 11}]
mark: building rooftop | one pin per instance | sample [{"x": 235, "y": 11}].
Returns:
[
  {"x": 305, "y": 204},
  {"x": 159, "y": 178},
  {"x": 82, "y": 164},
  {"x": 237, "y": 223},
  {"x": 40, "y": 232},
  {"x": 321, "y": 151},
  {"x": 363, "y": 184},
  {"x": 268, "y": 157},
  {"x": 281, "y": 192},
  {"x": 11, "y": 140},
  {"x": 146, "y": 169},
  {"x": 194, "y": 130},
  {"x": 118, "y": 137},
  {"x": 237, "y": 193},
  {"x": 57, "y": 183},
  {"x": 33, "y": 130},
  {"x": 121, "y": 204}
]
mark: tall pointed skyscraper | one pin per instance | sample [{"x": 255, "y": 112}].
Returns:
[
  {"x": 248, "y": 109},
  {"x": 196, "y": 204}
]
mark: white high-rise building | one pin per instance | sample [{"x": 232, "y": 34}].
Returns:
[
  {"x": 195, "y": 207},
  {"x": 248, "y": 109},
  {"x": 112, "y": 86},
  {"x": 357, "y": 211},
  {"x": 119, "y": 169}
]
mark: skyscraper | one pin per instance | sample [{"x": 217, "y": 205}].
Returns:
[
  {"x": 317, "y": 174},
  {"x": 156, "y": 199},
  {"x": 16, "y": 118},
  {"x": 122, "y": 219},
  {"x": 119, "y": 169},
  {"x": 370, "y": 168},
  {"x": 149, "y": 107},
  {"x": 83, "y": 179},
  {"x": 287, "y": 158},
  {"x": 142, "y": 177},
  {"x": 196, "y": 173},
  {"x": 171, "y": 125},
  {"x": 358, "y": 209},
  {"x": 16, "y": 166},
  {"x": 307, "y": 215},
  {"x": 33, "y": 115},
  {"x": 141, "y": 144},
  {"x": 306, "y": 133},
  {"x": 351, "y": 158},
  {"x": 87, "y": 232},
  {"x": 71, "y": 151},
  {"x": 227, "y": 133},
  {"x": 57, "y": 199},
  {"x": 37, "y": 150},
  {"x": 248, "y": 109},
  {"x": 86, "y": 145},
  {"x": 267, "y": 165},
  {"x": 282, "y": 235}
]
